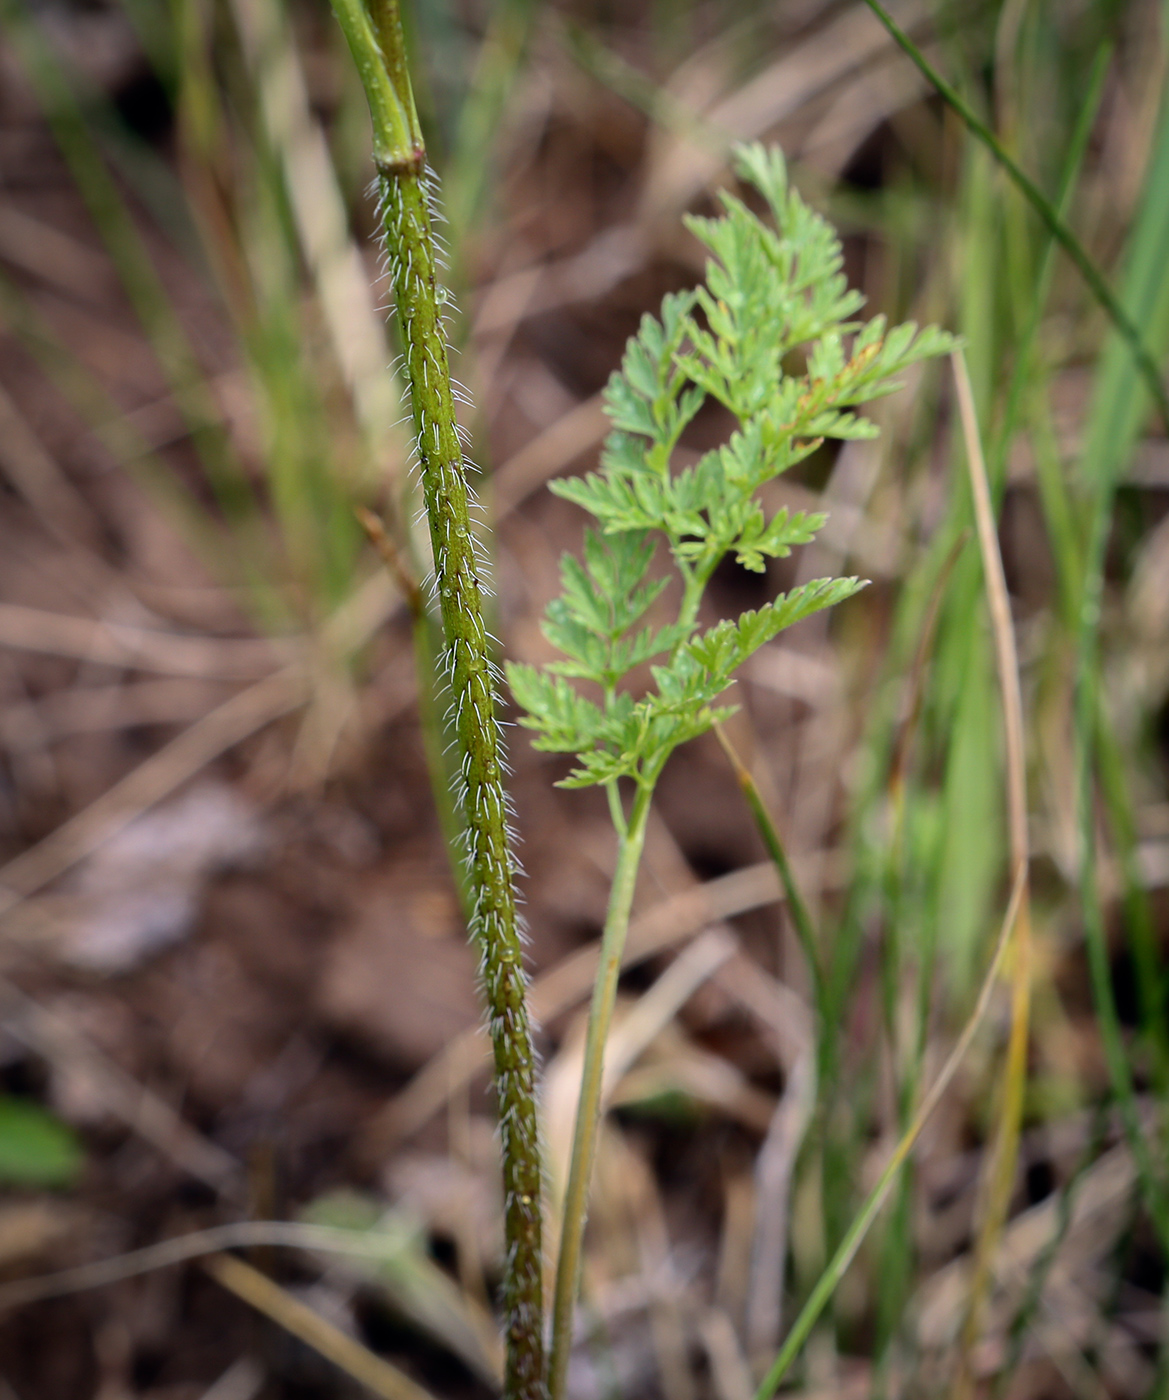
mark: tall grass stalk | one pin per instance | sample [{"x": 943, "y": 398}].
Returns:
[
  {"x": 897, "y": 1248},
  {"x": 406, "y": 192}
]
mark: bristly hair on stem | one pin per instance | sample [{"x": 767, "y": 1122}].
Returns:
[
  {"x": 406, "y": 190},
  {"x": 771, "y": 288}
]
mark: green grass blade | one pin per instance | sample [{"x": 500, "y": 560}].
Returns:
[
  {"x": 1114, "y": 424},
  {"x": 1124, "y": 323},
  {"x": 800, "y": 914},
  {"x": 853, "y": 1239}
]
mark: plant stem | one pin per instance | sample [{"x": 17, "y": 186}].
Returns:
[
  {"x": 405, "y": 194},
  {"x": 468, "y": 666},
  {"x": 1000, "y": 1175},
  {"x": 588, "y": 1113}
]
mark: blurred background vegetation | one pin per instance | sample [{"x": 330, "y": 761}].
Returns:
[{"x": 233, "y": 982}]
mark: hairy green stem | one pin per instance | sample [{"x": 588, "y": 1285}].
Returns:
[
  {"x": 405, "y": 201},
  {"x": 588, "y": 1113},
  {"x": 469, "y": 669}
]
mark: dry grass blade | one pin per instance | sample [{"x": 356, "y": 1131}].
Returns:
[
  {"x": 999, "y": 604},
  {"x": 1097, "y": 1213},
  {"x": 788, "y": 1024},
  {"x": 243, "y": 1380},
  {"x": 634, "y": 1180},
  {"x": 658, "y": 1006},
  {"x": 252, "y": 709},
  {"x": 367, "y": 1368},
  {"x": 55, "y": 257},
  {"x": 774, "y": 1169},
  {"x": 681, "y": 169},
  {"x": 1000, "y": 1175},
  {"x": 386, "y": 1253},
  {"x": 61, "y": 508},
  {"x": 88, "y": 709},
  {"x": 728, "y": 1366}
]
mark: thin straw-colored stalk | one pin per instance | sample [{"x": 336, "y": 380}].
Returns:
[
  {"x": 854, "y": 1237},
  {"x": 317, "y": 205},
  {"x": 1059, "y": 230},
  {"x": 358, "y": 1361},
  {"x": 631, "y": 835},
  {"x": 1001, "y": 1174},
  {"x": 378, "y": 48}
]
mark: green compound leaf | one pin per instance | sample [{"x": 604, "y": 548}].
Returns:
[
  {"x": 602, "y": 599},
  {"x": 769, "y": 289},
  {"x": 36, "y": 1149}
]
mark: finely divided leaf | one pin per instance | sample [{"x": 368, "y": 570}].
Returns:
[
  {"x": 775, "y": 540},
  {"x": 725, "y": 647},
  {"x": 564, "y": 719},
  {"x": 768, "y": 290}
]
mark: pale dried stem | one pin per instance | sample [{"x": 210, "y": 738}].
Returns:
[{"x": 1000, "y": 1171}]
